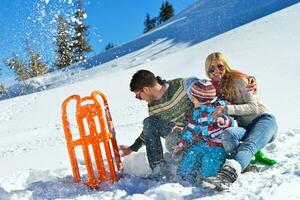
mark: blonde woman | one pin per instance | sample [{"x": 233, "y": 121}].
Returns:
[{"x": 257, "y": 127}]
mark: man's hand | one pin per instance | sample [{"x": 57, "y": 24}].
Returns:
[
  {"x": 252, "y": 85},
  {"x": 125, "y": 150},
  {"x": 218, "y": 112},
  {"x": 175, "y": 128},
  {"x": 176, "y": 149}
]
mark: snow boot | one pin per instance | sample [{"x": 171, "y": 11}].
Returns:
[
  {"x": 228, "y": 174},
  {"x": 160, "y": 172},
  {"x": 252, "y": 168},
  {"x": 261, "y": 158}
]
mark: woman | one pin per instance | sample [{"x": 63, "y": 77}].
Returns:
[{"x": 259, "y": 126}]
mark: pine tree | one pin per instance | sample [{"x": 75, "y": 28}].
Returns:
[
  {"x": 79, "y": 42},
  {"x": 63, "y": 44},
  {"x": 35, "y": 65},
  {"x": 3, "y": 90},
  {"x": 2, "y": 87},
  {"x": 109, "y": 46},
  {"x": 34, "y": 68},
  {"x": 166, "y": 12},
  {"x": 149, "y": 23},
  {"x": 16, "y": 64}
]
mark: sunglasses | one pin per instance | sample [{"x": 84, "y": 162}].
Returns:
[{"x": 213, "y": 68}]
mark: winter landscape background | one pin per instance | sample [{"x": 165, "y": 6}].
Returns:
[{"x": 33, "y": 154}]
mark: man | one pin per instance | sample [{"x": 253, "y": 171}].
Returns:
[{"x": 168, "y": 105}]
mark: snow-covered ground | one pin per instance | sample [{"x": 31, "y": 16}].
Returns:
[{"x": 34, "y": 163}]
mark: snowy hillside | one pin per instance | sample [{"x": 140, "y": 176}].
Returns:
[
  {"x": 33, "y": 154},
  {"x": 200, "y": 21}
]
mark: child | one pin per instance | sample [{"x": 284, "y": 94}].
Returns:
[{"x": 202, "y": 135}]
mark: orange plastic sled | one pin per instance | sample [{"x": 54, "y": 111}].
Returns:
[{"x": 96, "y": 113}]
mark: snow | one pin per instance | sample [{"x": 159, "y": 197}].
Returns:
[
  {"x": 33, "y": 154},
  {"x": 200, "y": 21}
]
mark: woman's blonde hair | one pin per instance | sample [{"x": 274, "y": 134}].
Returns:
[{"x": 227, "y": 86}]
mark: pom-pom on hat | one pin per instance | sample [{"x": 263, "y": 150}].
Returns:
[{"x": 203, "y": 90}]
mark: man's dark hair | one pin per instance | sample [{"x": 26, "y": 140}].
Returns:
[{"x": 144, "y": 78}]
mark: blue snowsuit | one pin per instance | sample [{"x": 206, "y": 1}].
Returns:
[{"x": 202, "y": 135}]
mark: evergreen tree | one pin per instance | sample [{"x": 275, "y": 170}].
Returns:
[
  {"x": 16, "y": 64},
  {"x": 149, "y": 23},
  {"x": 166, "y": 12},
  {"x": 109, "y": 46},
  {"x": 3, "y": 90},
  {"x": 63, "y": 44},
  {"x": 79, "y": 42},
  {"x": 34, "y": 68},
  {"x": 2, "y": 87},
  {"x": 35, "y": 65}
]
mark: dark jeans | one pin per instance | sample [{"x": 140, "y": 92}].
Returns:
[{"x": 153, "y": 129}]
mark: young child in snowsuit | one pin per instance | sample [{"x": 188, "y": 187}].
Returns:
[{"x": 202, "y": 135}]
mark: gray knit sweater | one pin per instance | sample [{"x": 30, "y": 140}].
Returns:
[{"x": 246, "y": 106}]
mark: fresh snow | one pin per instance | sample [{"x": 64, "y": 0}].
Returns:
[
  {"x": 200, "y": 21},
  {"x": 33, "y": 153}
]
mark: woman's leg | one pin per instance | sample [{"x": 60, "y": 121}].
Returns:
[
  {"x": 231, "y": 138},
  {"x": 262, "y": 131}
]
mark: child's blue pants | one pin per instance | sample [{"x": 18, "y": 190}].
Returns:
[{"x": 201, "y": 159}]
